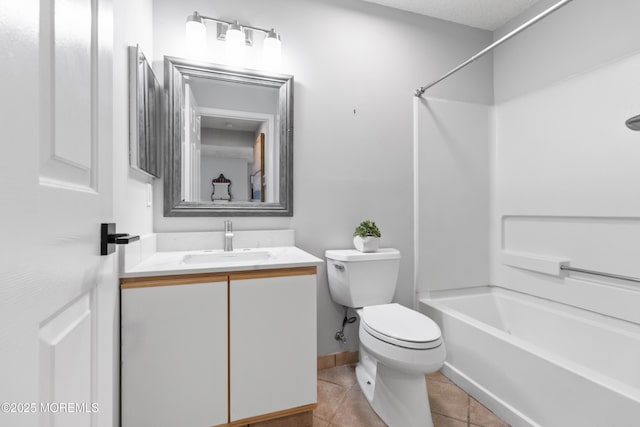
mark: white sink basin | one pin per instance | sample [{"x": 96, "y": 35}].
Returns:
[{"x": 213, "y": 257}]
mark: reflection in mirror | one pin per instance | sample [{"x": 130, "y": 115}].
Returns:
[
  {"x": 238, "y": 143},
  {"x": 146, "y": 114},
  {"x": 230, "y": 148}
]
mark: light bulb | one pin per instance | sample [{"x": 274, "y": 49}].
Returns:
[
  {"x": 235, "y": 44},
  {"x": 271, "y": 50},
  {"x": 196, "y": 35}
]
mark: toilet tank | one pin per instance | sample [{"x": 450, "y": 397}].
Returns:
[{"x": 359, "y": 279}]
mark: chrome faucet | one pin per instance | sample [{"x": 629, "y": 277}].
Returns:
[{"x": 228, "y": 236}]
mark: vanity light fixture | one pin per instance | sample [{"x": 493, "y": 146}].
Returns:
[
  {"x": 235, "y": 41},
  {"x": 272, "y": 49},
  {"x": 235, "y": 36},
  {"x": 196, "y": 34}
]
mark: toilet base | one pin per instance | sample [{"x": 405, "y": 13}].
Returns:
[{"x": 400, "y": 399}]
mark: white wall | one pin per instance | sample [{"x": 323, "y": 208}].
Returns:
[
  {"x": 582, "y": 35},
  {"x": 352, "y": 115},
  {"x": 567, "y": 181},
  {"x": 453, "y": 145},
  {"x": 132, "y": 25},
  {"x": 228, "y": 138}
]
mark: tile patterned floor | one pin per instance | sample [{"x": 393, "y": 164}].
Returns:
[{"x": 342, "y": 404}]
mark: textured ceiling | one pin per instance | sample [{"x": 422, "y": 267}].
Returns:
[{"x": 485, "y": 14}]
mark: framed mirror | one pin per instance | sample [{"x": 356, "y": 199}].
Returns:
[
  {"x": 230, "y": 147},
  {"x": 146, "y": 115}
]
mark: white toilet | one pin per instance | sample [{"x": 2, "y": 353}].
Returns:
[{"x": 397, "y": 345}]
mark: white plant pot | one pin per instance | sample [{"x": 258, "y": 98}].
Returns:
[{"x": 366, "y": 244}]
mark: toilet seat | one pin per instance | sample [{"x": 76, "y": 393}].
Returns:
[{"x": 400, "y": 326}]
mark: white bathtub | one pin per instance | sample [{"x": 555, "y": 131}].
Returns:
[{"x": 536, "y": 362}]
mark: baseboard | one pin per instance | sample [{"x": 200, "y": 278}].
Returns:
[{"x": 337, "y": 359}]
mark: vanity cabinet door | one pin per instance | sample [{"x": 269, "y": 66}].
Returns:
[
  {"x": 273, "y": 344},
  {"x": 174, "y": 355}
]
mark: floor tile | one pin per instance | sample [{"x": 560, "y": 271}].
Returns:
[
  {"x": 437, "y": 376},
  {"x": 329, "y": 398},
  {"x": 481, "y": 416},
  {"x": 442, "y": 421},
  {"x": 317, "y": 422},
  {"x": 342, "y": 375},
  {"x": 448, "y": 399},
  {"x": 355, "y": 411},
  {"x": 342, "y": 404}
]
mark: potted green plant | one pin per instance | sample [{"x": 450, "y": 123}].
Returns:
[{"x": 367, "y": 236}]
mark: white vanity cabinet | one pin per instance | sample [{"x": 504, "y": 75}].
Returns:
[
  {"x": 218, "y": 349},
  {"x": 272, "y": 344},
  {"x": 174, "y": 354}
]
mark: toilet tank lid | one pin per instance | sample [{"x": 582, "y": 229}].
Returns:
[{"x": 349, "y": 255}]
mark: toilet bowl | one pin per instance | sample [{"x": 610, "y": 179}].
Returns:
[
  {"x": 401, "y": 338},
  {"x": 398, "y": 346}
]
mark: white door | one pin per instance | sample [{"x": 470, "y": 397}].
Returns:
[{"x": 57, "y": 294}]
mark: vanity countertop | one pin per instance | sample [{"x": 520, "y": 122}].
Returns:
[{"x": 167, "y": 263}]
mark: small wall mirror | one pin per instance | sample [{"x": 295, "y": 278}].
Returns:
[
  {"x": 230, "y": 141},
  {"x": 146, "y": 115}
]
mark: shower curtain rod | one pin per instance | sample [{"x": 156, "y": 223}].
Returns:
[{"x": 421, "y": 90}]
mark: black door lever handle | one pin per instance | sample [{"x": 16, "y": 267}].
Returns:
[
  {"x": 109, "y": 238},
  {"x": 121, "y": 238}
]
